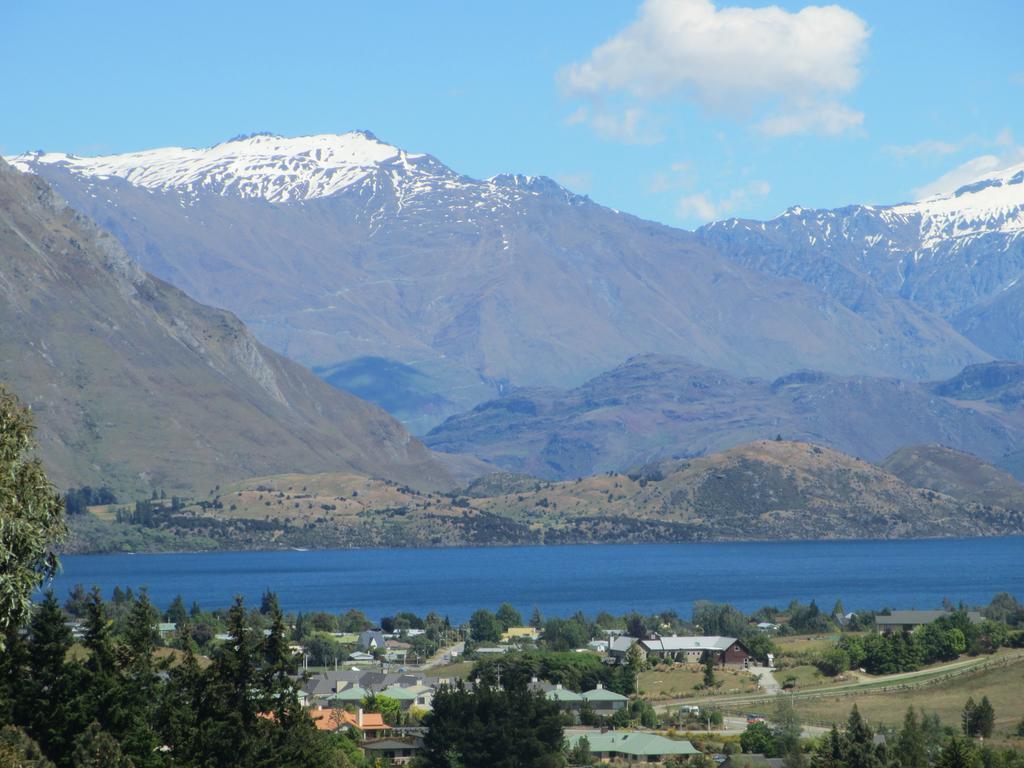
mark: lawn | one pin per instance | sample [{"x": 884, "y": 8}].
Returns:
[
  {"x": 1002, "y": 685},
  {"x": 678, "y": 681},
  {"x": 805, "y": 643},
  {"x": 460, "y": 669},
  {"x": 807, "y": 676}
]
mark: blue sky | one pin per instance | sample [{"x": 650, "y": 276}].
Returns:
[{"x": 675, "y": 110}]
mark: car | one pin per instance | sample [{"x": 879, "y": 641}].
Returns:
[{"x": 754, "y": 718}]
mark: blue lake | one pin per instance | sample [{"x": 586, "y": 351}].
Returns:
[{"x": 562, "y": 580}]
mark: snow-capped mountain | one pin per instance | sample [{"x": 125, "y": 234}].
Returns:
[
  {"x": 343, "y": 250},
  {"x": 281, "y": 169},
  {"x": 960, "y": 255},
  {"x": 992, "y": 203}
]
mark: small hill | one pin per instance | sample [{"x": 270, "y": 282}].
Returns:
[
  {"x": 761, "y": 490},
  {"x": 136, "y": 386},
  {"x": 957, "y": 474},
  {"x": 766, "y": 490}
]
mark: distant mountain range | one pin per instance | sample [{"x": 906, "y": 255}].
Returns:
[
  {"x": 655, "y": 407},
  {"x": 960, "y": 256},
  {"x": 136, "y": 386},
  {"x": 440, "y": 291}
]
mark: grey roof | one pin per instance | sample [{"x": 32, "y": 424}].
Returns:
[
  {"x": 677, "y": 643},
  {"x": 922, "y": 617},
  {"x": 621, "y": 643}
]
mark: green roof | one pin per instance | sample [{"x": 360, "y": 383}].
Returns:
[
  {"x": 562, "y": 694},
  {"x": 633, "y": 743},
  {"x": 603, "y": 694},
  {"x": 398, "y": 693},
  {"x": 352, "y": 693}
]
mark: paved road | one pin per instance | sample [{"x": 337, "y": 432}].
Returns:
[{"x": 438, "y": 659}]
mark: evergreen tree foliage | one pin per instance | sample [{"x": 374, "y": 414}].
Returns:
[
  {"x": 911, "y": 746},
  {"x": 493, "y": 728}
]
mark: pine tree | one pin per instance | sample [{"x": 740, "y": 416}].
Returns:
[
  {"x": 984, "y": 718},
  {"x": 177, "y": 715},
  {"x": 176, "y": 611},
  {"x": 968, "y": 717},
  {"x": 709, "y": 670},
  {"x": 958, "y": 753},
  {"x": 139, "y": 685},
  {"x": 536, "y": 619},
  {"x": 829, "y": 752},
  {"x": 52, "y": 685},
  {"x": 911, "y": 748},
  {"x": 858, "y": 743}
]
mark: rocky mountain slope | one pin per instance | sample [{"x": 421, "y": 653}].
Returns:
[
  {"x": 136, "y": 386},
  {"x": 761, "y": 490},
  {"x": 340, "y": 251},
  {"x": 957, "y": 474},
  {"x": 959, "y": 255},
  {"x": 656, "y": 406}
]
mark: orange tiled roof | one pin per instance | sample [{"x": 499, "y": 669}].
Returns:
[{"x": 332, "y": 719}]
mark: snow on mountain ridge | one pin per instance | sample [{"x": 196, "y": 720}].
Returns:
[
  {"x": 993, "y": 202},
  {"x": 276, "y": 168}
]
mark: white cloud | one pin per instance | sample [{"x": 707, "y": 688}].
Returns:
[
  {"x": 734, "y": 60},
  {"x": 629, "y": 127},
  {"x": 702, "y": 208},
  {"x": 697, "y": 206},
  {"x": 577, "y": 182},
  {"x": 829, "y": 119},
  {"x": 926, "y": 148},
  {"x": 679, "y": 175}
]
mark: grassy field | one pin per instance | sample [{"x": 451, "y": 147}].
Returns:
[
  {"x": 678, "y": 681},
  {"x": 1004, "y": 687},
  {"x": 807, "y": 677},
  {"x": 458, "y": 670},
  {"x": 805, "y": 643}
]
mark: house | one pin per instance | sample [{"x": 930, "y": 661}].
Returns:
[
  {"x": 166, "y": 629},
  {"x": 599, "y": 646},
  {"x": 726, "y": 651},
  {"x": 409, "y": 696},
  {"x": 371, "y": 640},
  {"x": 353, "y": 694},
  {"x": 365, "y": 723},
  {"x": 603, "y": 701},
  {"x": 391, "y": 751},
  {"x": 360, "y": 656},
  {"x": 633, "y": 746},
  {"x": 520, "y": 633},
  {"x": 565, "y": 698},
  {"x": 619, "y": 645},
  {"x": 908, "y": 620}
]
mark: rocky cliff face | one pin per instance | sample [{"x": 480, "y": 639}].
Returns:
[{"x": 137, "y": 386}]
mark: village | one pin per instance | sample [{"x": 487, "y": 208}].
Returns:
[{"x": 611, "y": 705}]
